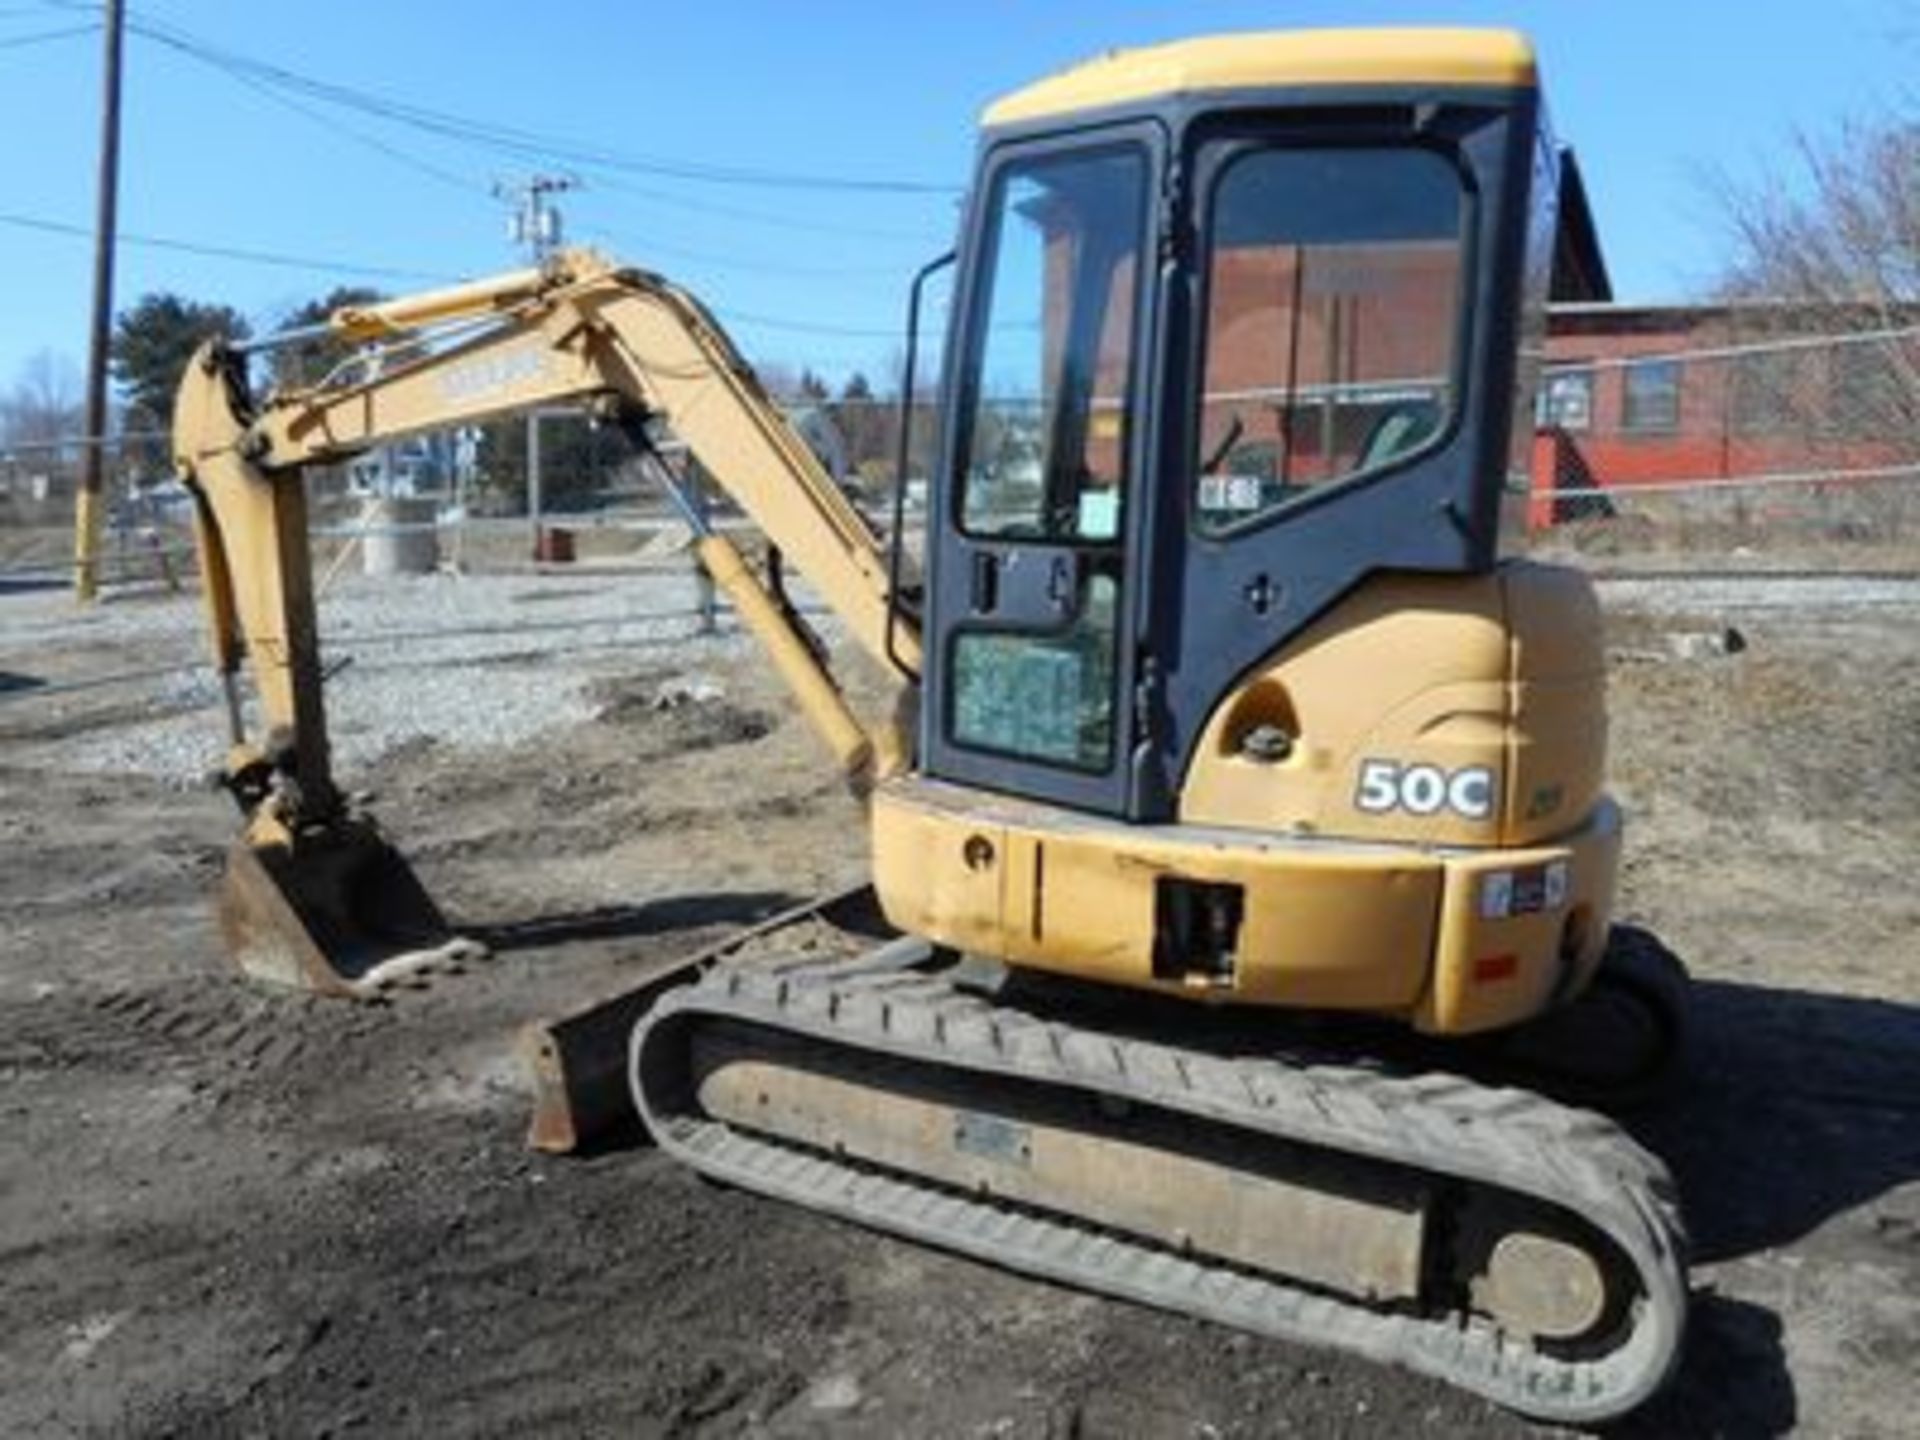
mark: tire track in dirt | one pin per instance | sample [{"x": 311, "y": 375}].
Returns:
[
  {"x": 535, "y": 1305},
  {"x": 226, "y": 1037}
]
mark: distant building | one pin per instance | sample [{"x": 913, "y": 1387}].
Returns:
[{"x": 1672, "y": 394}]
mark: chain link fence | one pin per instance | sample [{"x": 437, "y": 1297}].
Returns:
[
  {"x": 550, "y": 488},
  {"x": 1776, "y": 448},
  {"x": 1773, "y": 447}
]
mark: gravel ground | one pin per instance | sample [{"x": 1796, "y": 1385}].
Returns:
[
  {"x": 475, "y": 661},
  {"x": 1820, "y": 599},
  {"x": 429, "y": 658}
]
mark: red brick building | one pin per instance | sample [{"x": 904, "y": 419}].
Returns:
[{"x": 1673, "y": 394}]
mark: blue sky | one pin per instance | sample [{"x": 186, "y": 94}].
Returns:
[{"x": 1656, "y": 96}]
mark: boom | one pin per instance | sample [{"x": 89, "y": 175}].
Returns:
[{"x": 627, "y": 344}]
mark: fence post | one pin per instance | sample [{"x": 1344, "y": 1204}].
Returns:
[
  {"x": 706, "y": 601},
  {"x": 533, "y": 479}
]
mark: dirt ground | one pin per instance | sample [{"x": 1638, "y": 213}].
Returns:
[{"x": 230, "y": 1212}]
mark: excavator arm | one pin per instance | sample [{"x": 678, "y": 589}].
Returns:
[{"x": 314, "y": 896}]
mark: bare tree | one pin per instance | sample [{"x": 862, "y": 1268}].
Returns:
[
  {"x": 1844, "y": 230},
  {"x": 44, "y": 403},
  {"x": 1831, "y": 243}
]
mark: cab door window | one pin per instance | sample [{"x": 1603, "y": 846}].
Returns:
[
  {"x": 1046, "y": 455},
  {"x": 1334, "y": 313}
]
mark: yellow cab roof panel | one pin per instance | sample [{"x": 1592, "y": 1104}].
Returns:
[{"x": 1277, "y": 59}]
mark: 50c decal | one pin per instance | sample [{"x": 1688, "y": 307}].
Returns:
[{"x": 1387, "y": 785}]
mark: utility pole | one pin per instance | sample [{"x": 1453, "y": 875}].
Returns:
[
  {"x": 89, "y": 507},
  {"x": 534, "y": 225}
]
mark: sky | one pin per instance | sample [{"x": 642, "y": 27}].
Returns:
[{"x": 793, "y": 164}]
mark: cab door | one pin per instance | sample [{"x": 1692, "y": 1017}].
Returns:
[
  {"x": 1340, "y": 396},
  {"x": 1030, "y": 660}
]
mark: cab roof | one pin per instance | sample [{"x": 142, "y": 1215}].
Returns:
[{"x": 1278, "y": 59}]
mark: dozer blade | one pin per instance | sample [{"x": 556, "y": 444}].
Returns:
[
  {"x": 341, "y": 913},
  {"x": 578, "y": 1061}
]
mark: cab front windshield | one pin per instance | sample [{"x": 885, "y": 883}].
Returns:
[{"x": 1334, "y": 298}]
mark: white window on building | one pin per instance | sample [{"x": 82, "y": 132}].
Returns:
[{"x": 1566, "y": 400}]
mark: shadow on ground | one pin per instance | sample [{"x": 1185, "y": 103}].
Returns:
[
  {"x": 631, "y": 922},
  {"x": 1733, "y": 1378},
  {"x": 27, "y": 584},
  {"x": 1796, "y": 1108}
]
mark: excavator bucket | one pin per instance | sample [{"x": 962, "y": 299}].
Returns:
[{"x": 341, "y": 913}]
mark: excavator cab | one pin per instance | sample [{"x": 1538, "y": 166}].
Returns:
[{"x": 1236, "y": 329}]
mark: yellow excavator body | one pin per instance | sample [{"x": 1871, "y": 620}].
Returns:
[
  {"x": 1321, "y": 903},
  {"x": 1426, "y": 56},
  {"x": 1327, "y": 900},
  {"x": 1219, "y": 704}
]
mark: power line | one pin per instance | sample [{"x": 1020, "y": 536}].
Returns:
[
  {"x": 226, "y": 252},
  {"x": 388, "y": 272},
  {"x": 359, "y": 137},
  {"x": 805, "y": 327},
  {"x": 512, "y": 139},
  {"x": 15, "y": 42},
  {"x": 759, "y": 217},
  {"x": 371, "y": 142},
  {"x": 649, "y": 244},
  {"x": 646, "y": 245},
  {"x": 602, "y": 183},
  {"x": 272, "y": 81}
]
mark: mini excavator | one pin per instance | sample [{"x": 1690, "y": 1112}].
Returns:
[{"x": 1222, "y": 706}]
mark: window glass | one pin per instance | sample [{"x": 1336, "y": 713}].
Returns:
[
  {"x": 1566, "y": 403},
  {"x": 1043, "y": 697},
  {"x": 1650, "y": 396},
  {"x": 1333, "y": 313},
  {"x": 1046, "y": 446},
  {"x": 1543, "y": 233}
]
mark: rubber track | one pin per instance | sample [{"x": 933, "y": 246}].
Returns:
[{"x": 1446, "y": 1126}]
